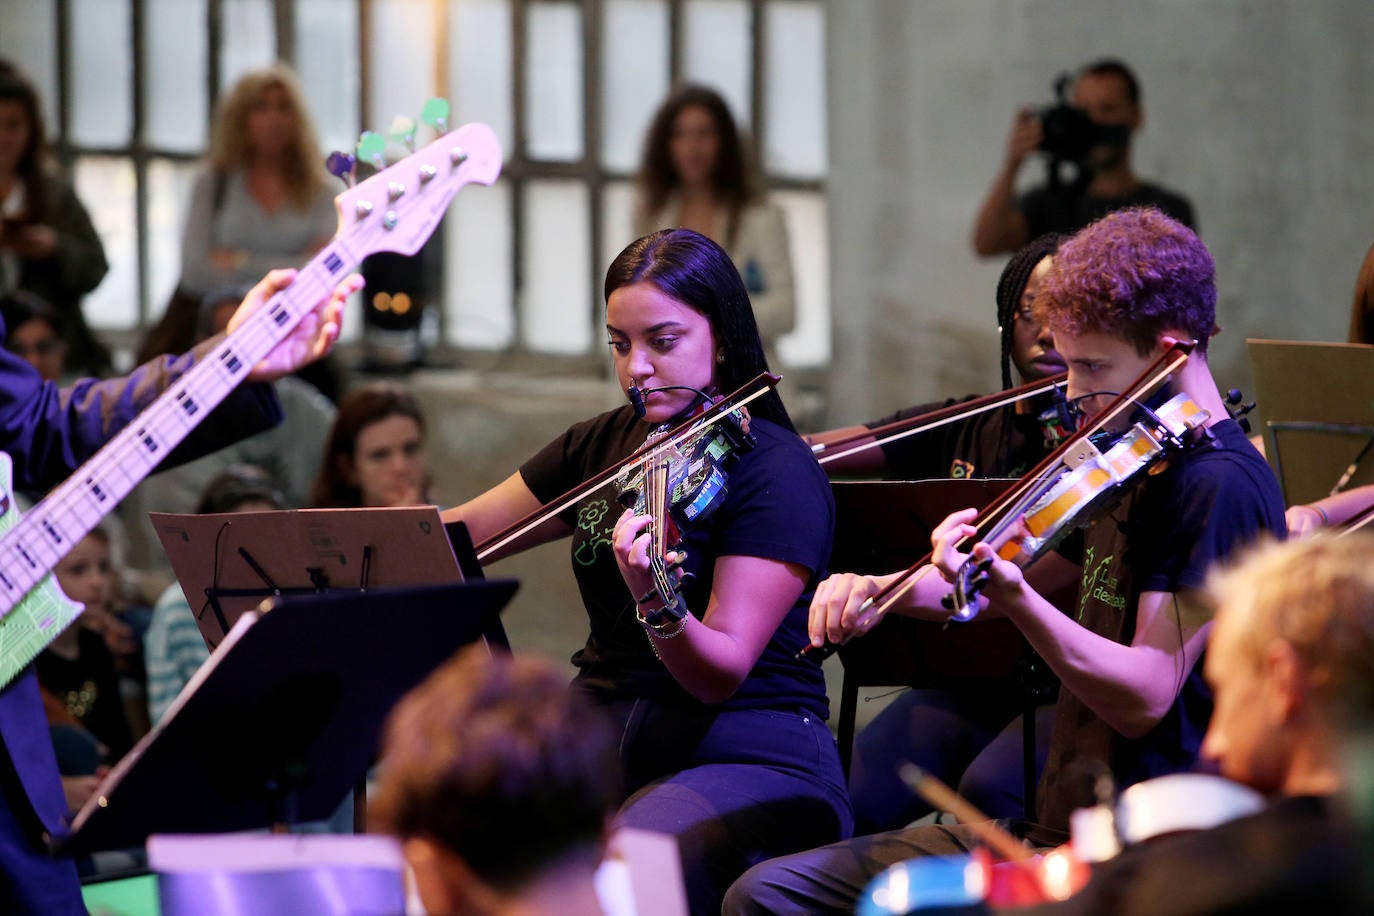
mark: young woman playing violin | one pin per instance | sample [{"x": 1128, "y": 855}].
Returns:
[
  {"x": 970, "y": 734},
  {"x": 724, "y": 740},
  {"x": 1132, "y": 700},
  {"x": 1001, "y": 442}
]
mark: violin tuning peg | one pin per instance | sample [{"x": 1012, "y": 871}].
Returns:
[
  {"x": 341, "y": 166},
  {"x": 435, "y": 114},
  {"x": 403, "y": 131},
  {"x": 371, "y": 147}
]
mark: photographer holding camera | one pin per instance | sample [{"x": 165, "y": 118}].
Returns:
[{"x": 1089, "y": 138}]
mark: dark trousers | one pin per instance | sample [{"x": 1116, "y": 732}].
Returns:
[
  {"x": 734, "y": 787},
  {"x": 831, "y": 879},
  {"x": 969, "y": 739}
]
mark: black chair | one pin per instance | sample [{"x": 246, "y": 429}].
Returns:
[{"x": 884, "y": 526}]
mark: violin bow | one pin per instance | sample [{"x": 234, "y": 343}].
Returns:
[
  {"x": 1072, "y": 452},
  {"x": 827, "y": 452},
  {"x": 755, "y": 388}
]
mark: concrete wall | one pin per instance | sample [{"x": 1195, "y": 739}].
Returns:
[{"x": 1258, "y": 110}]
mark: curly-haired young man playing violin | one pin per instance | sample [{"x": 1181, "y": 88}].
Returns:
[{"x": 1133, "y": 701}]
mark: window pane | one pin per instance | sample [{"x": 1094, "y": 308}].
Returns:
[
  {"x": 28, "y": 35},
  {"x": 553, "y": 88},
  {"x": 479, "y": 66},
  {"x": 177, "y": 116},
  {"x": 717, "y": 47},
  {"x": 634, "y": 74},
  {"x": 556, "y": 287},
  {"x": 403, "y": 61},
  {"x": 617, "y": 223},
  {"x": 250, "y": 38},
  {"x": 106, "y": 186},
  {"x": 169, "y": 192},
  {"x": 794, "y": 86},
  {"x": 809, "y": 342},
  {"x": 479, "y": 305},
  {"x": 102, "y": 73},
  {"x": 327, "y": 61}
]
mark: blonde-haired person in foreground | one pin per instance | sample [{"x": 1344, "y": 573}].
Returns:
[{"x": 1291, "y": 664}]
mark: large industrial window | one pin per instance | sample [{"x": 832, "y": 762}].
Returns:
[{"x": 568, "y": 85}]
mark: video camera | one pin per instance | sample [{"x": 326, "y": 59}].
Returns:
[{"x": 1069, "y": 133}]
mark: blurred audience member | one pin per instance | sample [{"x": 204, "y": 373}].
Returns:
[
  {"x": 375, "y": 453},
  {"x": 262, "y": 200},
  {"x": 696, "y": 172},
  {"x": 34, "y": 332},
  {"x": 48, "y": 245},
  {"x": 77, "y": 671},
  {"x": 173, "y": 647}
]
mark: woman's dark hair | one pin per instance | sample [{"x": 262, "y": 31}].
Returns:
[
  {"x": 697, "y": 272},
  {"x": 732, "y": 178},
  {"x": 34, "y": 161},
  {"x": 359, "y": 409},
  {"x": 1013, "y": 283},
  {"x": 237, "y": 486},
  {"x": 18, "y": 307}
]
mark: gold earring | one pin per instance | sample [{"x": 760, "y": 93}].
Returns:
[{"x": 720, "y": 356}]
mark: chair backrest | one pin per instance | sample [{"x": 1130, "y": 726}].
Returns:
[
  {"x": 277, "y": 874},
  {"x": 884, "y": 526}
]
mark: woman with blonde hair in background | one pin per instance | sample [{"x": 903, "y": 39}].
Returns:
[{"x": 261, "y": 199}]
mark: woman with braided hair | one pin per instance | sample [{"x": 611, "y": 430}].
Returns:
[{"x": 970, "y": 736}]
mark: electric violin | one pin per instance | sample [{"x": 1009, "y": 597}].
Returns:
[{"x": 1058, "y": 495}]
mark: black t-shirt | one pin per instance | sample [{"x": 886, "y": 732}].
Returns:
[
  {"x": 1164, "y": 537},
  {"x": 778, "y": 507},
  {"x": 1299, "y": 855},
  {"x": 994, "y": 443},
  {"x": 1068, "y": 208},
  {"x": 89, "y": 687}
]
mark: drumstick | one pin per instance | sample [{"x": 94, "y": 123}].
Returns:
[{"x": 943, "y": 798}]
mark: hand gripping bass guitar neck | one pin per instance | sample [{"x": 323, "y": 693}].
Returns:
[{"x": 395, "y": 210}]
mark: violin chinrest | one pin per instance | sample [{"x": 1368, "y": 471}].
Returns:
[{"x": 1179, "y": 802}]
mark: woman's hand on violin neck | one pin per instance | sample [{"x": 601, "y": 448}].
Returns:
[
  {"x": 632, "y": 542},
  {"x": 837, "y": 612}
]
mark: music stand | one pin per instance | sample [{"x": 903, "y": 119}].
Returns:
[
  {"x": 285, "y": 716},
  {"x": 228, "y": 563},
  {"x": 882, "y": 526},
  {"x": 1317, "y": 405}
]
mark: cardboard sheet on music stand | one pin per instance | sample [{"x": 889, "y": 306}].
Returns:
[
  {"x": 1300, "y": 383},
  {"x": 296, "y": 693},
  {"x": 298, "y": 550}
]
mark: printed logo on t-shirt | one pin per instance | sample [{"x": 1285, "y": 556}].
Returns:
[
  {"x": 961, "y": 469},
  {"x": 1098, "y": 583},
  {"x": 589, "y": 519}
]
